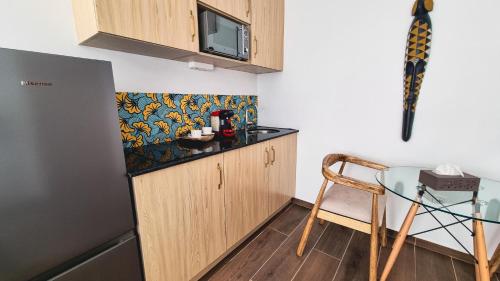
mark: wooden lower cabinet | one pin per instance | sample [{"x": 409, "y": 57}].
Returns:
[
  {"x": 181, "y": 219},
  {"x": 190, "y": 215},
  {"x": 247, "y": 195},
  {"x": 282, "y": 170}
]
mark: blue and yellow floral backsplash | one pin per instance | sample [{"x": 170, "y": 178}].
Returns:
[{"x": 147, "y": 118}]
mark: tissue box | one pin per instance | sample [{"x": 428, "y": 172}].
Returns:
[{"x": 449, "y": 183}]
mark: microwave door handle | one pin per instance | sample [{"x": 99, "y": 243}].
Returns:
[
  {"x": 238, "y": 50},
  {"x": 241, "y": 45},
  {"x": 243, "y": 40}
]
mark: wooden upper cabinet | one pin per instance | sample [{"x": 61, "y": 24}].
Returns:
[
  {"x": 178, "y": 21},
  {"x": 171, "y": 23},
  {"x": 282, "y": 170},
  {"x": 267, "y": 31},
  {"x": 240, "y": 9},
  {"x": 169, "y": 29},
  {"x": 247, "y": 195},
  {"x": 181, "y": 218},
  {"x": 129, "y": 18}
]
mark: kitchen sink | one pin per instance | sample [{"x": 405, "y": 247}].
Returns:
[{"x": 262, "y": 131}]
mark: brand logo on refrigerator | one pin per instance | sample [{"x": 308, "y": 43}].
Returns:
[{"x": 36, "y": 83}]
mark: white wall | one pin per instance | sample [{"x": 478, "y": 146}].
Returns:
[
  {"x": 47, "y": 26},
  {"x": 342, "y": 87}
]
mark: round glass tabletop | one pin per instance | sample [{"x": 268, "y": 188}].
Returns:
[{"x": 403, "y": 181}]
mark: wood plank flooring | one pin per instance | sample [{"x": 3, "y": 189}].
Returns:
[
  {"x": 404, "y": 268},
  {"x": 333, "y": 253}
]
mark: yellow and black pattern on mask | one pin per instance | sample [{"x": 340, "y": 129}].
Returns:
[{"x": 418, "y": 48}]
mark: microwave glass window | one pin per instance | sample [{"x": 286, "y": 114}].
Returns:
[{"x": 225, "y": 36}]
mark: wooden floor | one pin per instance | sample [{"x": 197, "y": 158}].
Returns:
[{"x": 333, "y": 253}]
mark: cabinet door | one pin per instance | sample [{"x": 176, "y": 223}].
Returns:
[
  {"x": 267, "y": 33},
  {"x": 247, "y": 202},
  {"x": 239, "y": 9},
  {"x": 178, "y": 24},
  {"x": 180, "y": 216},
  {"x": 171, "y": 23},
  {"x": 282, "y": 170}
]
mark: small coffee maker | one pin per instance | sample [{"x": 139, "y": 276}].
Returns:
[{"x": 222, "y": 124}]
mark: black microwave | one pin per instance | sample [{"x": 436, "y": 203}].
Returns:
[{"x": 222, "y": 36}]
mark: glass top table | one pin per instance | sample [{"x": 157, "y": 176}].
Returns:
[
  {"x": 403, "y": 181},
  {"x": 478, "y": 207}
]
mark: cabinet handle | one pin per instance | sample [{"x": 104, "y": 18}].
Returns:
[
  {"x": 274, "y": 155},
  {"x": 256, "y": 48},
  {"x": 193, "y": 29},
  {"x": 221, "y": 178},
  {"x": 249, "y": 5},
  {"x": 267, "y": 158}
]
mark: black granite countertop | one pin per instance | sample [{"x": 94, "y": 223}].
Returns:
[{"x": 154, "y": 157}]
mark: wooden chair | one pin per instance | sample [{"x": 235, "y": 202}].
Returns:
[{"x": 347, "y": 203}]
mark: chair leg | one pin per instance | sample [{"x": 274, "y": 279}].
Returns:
[
  {"x": 383, "y": 232},
  {"x": 305, "y": 234},
  {"x": 374, "y": 239},
  {"x": 310, "y": 221}
]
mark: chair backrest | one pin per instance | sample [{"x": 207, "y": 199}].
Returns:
[{"x": 331, "y": 159}]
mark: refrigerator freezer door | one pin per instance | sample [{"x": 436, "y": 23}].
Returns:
[
  {"x": 63, "y": 184},
  {"x": 120, "y": 263}
]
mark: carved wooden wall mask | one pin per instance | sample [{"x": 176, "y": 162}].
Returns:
[{"x": 418, "y": 48}]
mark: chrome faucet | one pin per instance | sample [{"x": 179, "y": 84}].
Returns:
[{"x": 248, "y": 124}]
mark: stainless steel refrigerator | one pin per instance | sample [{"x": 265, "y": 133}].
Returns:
[{"x": 65, "y": 204}]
